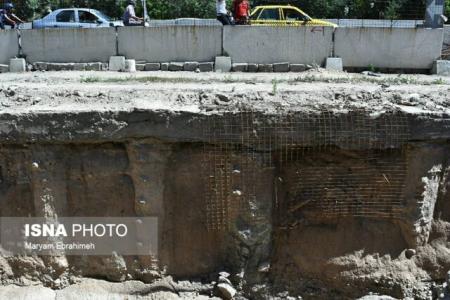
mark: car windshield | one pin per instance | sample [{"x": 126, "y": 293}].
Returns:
[{"x": 101, "y": 15}]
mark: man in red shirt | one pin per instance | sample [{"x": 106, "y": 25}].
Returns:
[{"x": 241, "y": 9}]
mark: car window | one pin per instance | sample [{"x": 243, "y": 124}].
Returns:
[
  {"x": 86, "y": 17},
  {"x": 270, "y": 14},
  {"x": 294, "y": 15},
  {"x": 67, "y": 16},
  {"x": 102, "y": 15}
]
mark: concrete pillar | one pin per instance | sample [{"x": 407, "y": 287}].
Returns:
[
  {"x": 441, "y": 67},
  {"x": 17, "y": 65},
  {"x": 434, "y": 13},
  {"x": 222, "y": 64},
  {"x": 130, "y": 65},
  {"x": 334, "y": 63},
  {"x": 117, "y": 63}
]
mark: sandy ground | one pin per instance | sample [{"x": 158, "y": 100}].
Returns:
[{"x": 188, "y": 91}]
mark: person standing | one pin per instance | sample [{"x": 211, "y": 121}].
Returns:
[
  {"x": 7, "y": 17},
  {"x": 222, "y": 13},
  {"x": 241, "y": 9},
  {"x": 129, "y": 17}
]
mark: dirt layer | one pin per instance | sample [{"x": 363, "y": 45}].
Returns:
[{"x": 319, "y": 186}]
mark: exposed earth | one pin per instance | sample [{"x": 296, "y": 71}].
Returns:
[{"x": 345, "y": 186}]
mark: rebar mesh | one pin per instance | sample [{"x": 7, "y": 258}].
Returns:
[
  {"x": 368, "y": 185},
  {"x": 239, "y": 144}
]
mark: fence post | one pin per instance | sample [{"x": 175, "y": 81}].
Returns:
[{"x": 434, "y": 13}]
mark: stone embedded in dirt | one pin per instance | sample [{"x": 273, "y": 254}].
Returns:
[
  {"x": 224, "y": 274},
  {"x": 376, "y": 297},
  {"x": 223, "y": 98},
  {"x": 410, "y": 253},
  {"x": 264, "y": 267},
  {"x": 226, "y": 290},
  {"x": 223, "y": 279},
  {"x": 416, "y": 99},
  {"x": 78, "y": 94},
  {"x": 9, "y": 92}
]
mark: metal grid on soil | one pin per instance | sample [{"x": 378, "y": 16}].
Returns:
[
  {"x": 369, "y": 185},
  {"x": 238, "y": 144},
  {"x": 230, "y": 184}
]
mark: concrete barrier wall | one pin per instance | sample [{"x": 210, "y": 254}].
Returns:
[
  {"x": 171, "y": 43},
  {"x": 269, "y": 44},
  {"x": 404, "y": 48},
  {"x": 447, "y": 35},
  {"x": 396, "y": 48},
  {"x": 9, "y": 45},
  {"x": 69, "y": 45}
]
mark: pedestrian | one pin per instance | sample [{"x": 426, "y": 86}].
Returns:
[
  {"x": 7, "y": 17},
  {"x": 222, "y": 13},
  {"x": 129, "y": 16},
  {"x": 241, "y": 10}
]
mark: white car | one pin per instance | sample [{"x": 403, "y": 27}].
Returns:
[{"x": 75, "y": 18}]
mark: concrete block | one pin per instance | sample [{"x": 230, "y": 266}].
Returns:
[
  {"x": 4, "y": 68},
  {"x": 164, "y": 66},
  {"x": 266, "y": 68},
  {"x": 297, "y": 67},
  {"x": 281, "y": 67},
  {"x": 222, "y": 64},
  {"x": 17, "y": 65},
  {"x": 40, "y": 66},
  {"x": 176, "y": 66},
  {"x": 441, "y": 67},
  {"x": 152, "y": 66},
  {"x": 241, "y": 67},
  {"x": 95, "y": 66},
  {"x": 60, "y": 66},
  {"x": 206, "y": 66},
  {"x": 190, "y": 66},
  {"x": 117, "y": 63},
  {"x": 253, "y": 68},
  {"x": 334, "y": 63},
  {"x": 140, "y": 67},
  {"x": 79, "y": 66},
  {"x": 130, "y": 65}
]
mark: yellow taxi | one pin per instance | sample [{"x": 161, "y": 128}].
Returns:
[{"x": 284, "y": 15}]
